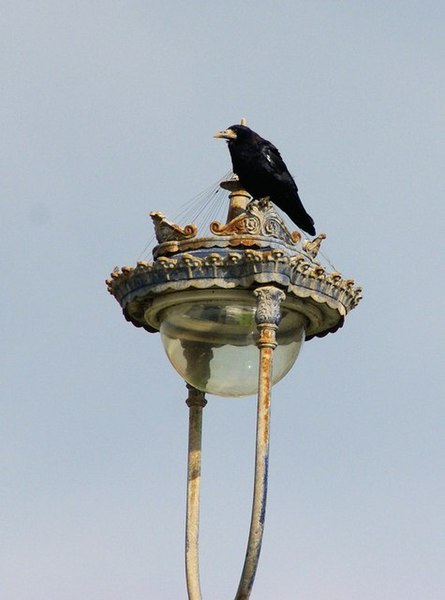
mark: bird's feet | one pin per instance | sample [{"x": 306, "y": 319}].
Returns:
[{"x": 264, "y": 202}]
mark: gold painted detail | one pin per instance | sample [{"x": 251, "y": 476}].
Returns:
[
  {"x": 166, "y": 231},
  {"x": 312, "y": 247},
  {"x": 259, "y": 218}
]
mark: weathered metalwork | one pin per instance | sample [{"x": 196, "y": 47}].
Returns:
[
  {"x": 257, "y": 255},
  {"x": 196, "y": 402},
  {"x": 267, "y": 318},
  {"x": 167, "y": 231}
]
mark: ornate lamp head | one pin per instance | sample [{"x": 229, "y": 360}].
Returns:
[{"x": 198, "y": 293}]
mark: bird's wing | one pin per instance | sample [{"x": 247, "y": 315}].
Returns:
[{"x": 274, "y": 163}]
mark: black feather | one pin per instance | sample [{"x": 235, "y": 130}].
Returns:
[{"x": 262, "y": 172}]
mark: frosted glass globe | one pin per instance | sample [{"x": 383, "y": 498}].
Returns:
[{"x": 212, "y": 344}]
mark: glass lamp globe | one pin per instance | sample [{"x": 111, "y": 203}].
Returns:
[{"x": 211, "y": 343}]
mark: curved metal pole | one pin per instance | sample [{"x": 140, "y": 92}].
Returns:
[
  {"x": 196, "y": 402},
  {"x": 268, "y": 316}
]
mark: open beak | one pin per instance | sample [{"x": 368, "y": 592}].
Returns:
[{"x": 227, "y": 134}]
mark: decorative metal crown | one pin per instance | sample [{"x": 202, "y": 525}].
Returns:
[{"x": 254, "y": 248}]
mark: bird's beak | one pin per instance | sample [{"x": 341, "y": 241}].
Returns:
[{"x": 227, "y": 134}]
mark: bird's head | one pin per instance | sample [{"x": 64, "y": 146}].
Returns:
[{"x": 234, "y": 133}]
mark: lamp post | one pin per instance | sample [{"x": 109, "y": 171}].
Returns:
[{"x": 233, "y": 309}]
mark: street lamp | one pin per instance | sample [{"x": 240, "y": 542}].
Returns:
[{"x": 233, "y": 309}]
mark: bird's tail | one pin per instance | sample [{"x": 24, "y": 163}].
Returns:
[{"x": 293, "y": 207}]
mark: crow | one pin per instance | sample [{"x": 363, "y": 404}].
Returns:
[{"x": 263, "y": 173}]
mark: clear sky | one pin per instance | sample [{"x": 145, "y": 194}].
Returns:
[{"x": 108, "y": 110}]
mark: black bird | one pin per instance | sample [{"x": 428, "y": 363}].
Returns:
[{"x": 263, "y": 173}]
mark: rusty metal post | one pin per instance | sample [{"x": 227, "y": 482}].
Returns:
[
  {"x": 268, "y": 315},
  {"x": 196, "y": 402},
  {"x": 239, "y": 198}
]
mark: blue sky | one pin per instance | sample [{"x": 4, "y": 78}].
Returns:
[{"x": 108, "y": 111}]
